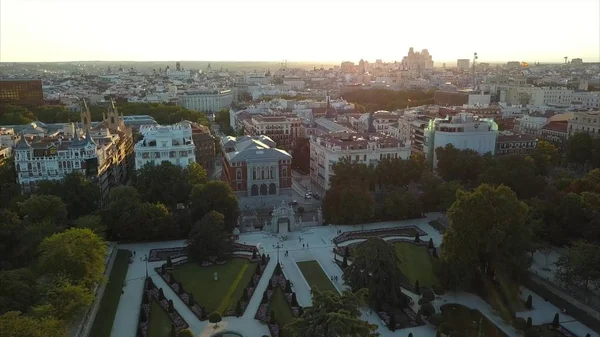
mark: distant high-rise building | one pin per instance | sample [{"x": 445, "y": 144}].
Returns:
[
  {"x": 21, "y": 92},
  {"x": 417, "y": 60},
  {"x": 463, "y": 63}
]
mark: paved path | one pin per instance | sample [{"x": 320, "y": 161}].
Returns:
[{"x": 317, "y": 246}]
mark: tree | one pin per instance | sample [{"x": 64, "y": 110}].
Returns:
[
  {"x": 488, "y": 235},
  {"x": 545, "y": 155},
  {"x": 68, "y": 299},
  {"x": 515, "y": 171},
  {"x": 92, "y": 222},
  {"x": 215, "y": 196},
  {"x": 185, "y": 333},
  {"x": 8, "y": 182},
  {"x": 377, "y": 268},
  {"x": 80, "y": 195},
  {"x": 580, "y": 266},
  {"x": 18, "y": 290},
  {"x": 427, "y": 309},
  {"x": 455, "y": 164},
  {"x": 209, "y": 239},
  {"x": 529, "y": 303},
  {"x": 301, "y": 155},
  {"x": 77, "y": 254},
  {"x": 14, "y": 324},
  {"x": 16, "y": 115},
  {"x": 215, "y": 317},
  {"x": 332, "y": 315},
  {"x": 40, "y": 208},
  {"x": 350, "y": 204},
  {"x": 222, "y": 119},
  {"x": 166, "y": 183},
  {"x": 579, "y": 148}
]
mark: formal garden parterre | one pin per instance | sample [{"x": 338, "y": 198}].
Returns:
[
  {"x": 152, "y": 293},
  {"x": 408, "y": 231}
]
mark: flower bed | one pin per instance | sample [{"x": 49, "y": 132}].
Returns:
[
  {"x": 262, "y": 314},
  {"x": 409, "y": 231},
  {"x": 152, "y": 292},
  {"x": 342, "y": 250},
  {"x": 240, "y": 247},
  {"x": 161, "y": 254},
  {"x": 199, "y": 310}
]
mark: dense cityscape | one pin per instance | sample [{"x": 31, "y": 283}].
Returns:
[{"x": 373, "y": 197}]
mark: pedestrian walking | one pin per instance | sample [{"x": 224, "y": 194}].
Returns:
[
  {"x": 302, "y": 246},
  {"x": 307, "y": 245}
]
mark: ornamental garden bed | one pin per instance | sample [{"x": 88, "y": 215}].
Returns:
[
  {"x": 315, "y": 276},
  {"x": 278, "y": 305},
  {"x": 230, "y": 294},
  {"x": 458, "y": 319},
  {"x": 408, "y": 231},
  {"x": 153, "y": 294},
  {"x": 161, "y": 254}
]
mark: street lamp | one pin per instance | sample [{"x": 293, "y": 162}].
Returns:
[
  {"x": 146, "y": 260},
  {"x": 278, "y": 247}
]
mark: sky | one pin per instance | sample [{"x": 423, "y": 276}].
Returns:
[{"x": 306, "y": 30}]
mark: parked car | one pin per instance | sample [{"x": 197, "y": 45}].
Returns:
[
  {"x": 316, "y": 196},
  {"x": 293, "y": 203},
  {"x": 307, "y": 196}
]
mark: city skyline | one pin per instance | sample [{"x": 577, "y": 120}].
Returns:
[{"x": 324, "y": 31}]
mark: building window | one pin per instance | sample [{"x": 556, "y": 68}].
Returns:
[
  {"x": 253, "y": 173},
  {"x": 238, "y": 174},
  {"x": 239, "y": 187},
  {"x": 271, "y": 176},
  {"x": 284, "y": 172}
]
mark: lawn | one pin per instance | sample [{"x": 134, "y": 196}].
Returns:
[
  {"x": 160, "y": 322},
  {"x": 315, "y": 276},
  {"x": 461, "y": 319},
  {"x": 417, "y": 264},
  {"x": 112, "y": 293},
  {"x": 216, "y": 295},
  {"x": 283, "y": 312}
]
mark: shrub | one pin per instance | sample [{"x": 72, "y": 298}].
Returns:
[
  {"x": 529, "y": 323},
  {"x": 436, "y": 319},
  {"x": 294, "y": 300},
  {"x": 161, "y": 294},
  {"x": 345, "y": 262},
  {"x": 428, "y": 294},
  {"x": 445, "y": 328},
  {"x": 173, "y": 330},
  {"x": 238, "y": 309},
  {"x": 180, "y": 285},
  {"x": 251, "y": 283},
  {"x": 300, "y": 210},
  {"x": 143, "y": 316},
  {"x": 169, "y": 262},
  {"x": 245, "y": 295},
  {"x": 427, "y": 309},
  {"x": 434, "y": 252},
  {"x": 528, "y": 304},
  {"x": 265, "y": 298},
  {"x": 215, "y": 317},
  {"x": 417, "y": 288},
  {"x": 347, "y": 251},
  {"x": 203, "y": 313},
  {"x": 263, "y": 259},
  {"x": 392, "y": 325},
  {"x": 519, "y": 323},
  {"x": 254, "y": 255},
  {"x": 170, "y": 305},
  {"x": 410, "y": 334},
  {"x": 258, "y": 270},
  {"x": 417, "y": 238},
  {"x": 278, "y": 269},
  {"x": 423, "y": 300},
  {"x": 431, "y": 243},
  {"x": 149, "y": 283},
  {"x": 555, "y": 322},
  {"x": 270, "y": 285},
  {"x": 185, "y": 333},
  {"x": 272, "y": 317},
  {"x": 438, "y": 289},
  {"x": 171, "y": 278},
  {"x": 145, "y": 299},
  {"x": 288, "y": 286}
]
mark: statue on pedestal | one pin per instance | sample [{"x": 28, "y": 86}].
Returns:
[{"x": 216, "y": 276}]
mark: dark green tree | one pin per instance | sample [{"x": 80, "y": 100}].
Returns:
[
  {"x": 215, "y": 196},
  {"x": 581, "y": 265},
  {"x": 376, "y": 267},
  {"x": 209, "y": 239}
]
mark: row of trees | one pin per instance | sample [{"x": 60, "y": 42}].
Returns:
[
  {"x": 162, "y": 113},
  {"x": 383, "y": 99}
]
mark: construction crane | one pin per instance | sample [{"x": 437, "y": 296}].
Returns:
[{"x": 566, "y": 59}]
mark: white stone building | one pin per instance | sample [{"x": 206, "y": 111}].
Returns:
[
  {"x": 588, "y": 122},
  {"x": 532, "y": 123},
  {"x": 464, "y": 131},
  {"x": 587, "y": 100},
  {"x": 328, "y": 149},
  {"x": 206, "y": 100},
  {"x": 172, "y": 143}
]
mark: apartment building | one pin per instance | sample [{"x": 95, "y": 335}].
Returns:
[
  {"x": 588, "y": 122},
  {"x": 367, "y": 148},
  {"x": 512, "y": 143},
  {"x": 282, "y": 129},
  {"x": 206, "y": 100},
  {"x": 172, "y": 143}
]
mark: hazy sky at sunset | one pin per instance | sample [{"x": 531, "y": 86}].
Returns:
[{"x": 307, "y": 30}]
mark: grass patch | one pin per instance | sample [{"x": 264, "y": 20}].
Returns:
[
  {"x": 214, "y": 295},
  {"x": 438, "y": 226},
  {"x": 460, "y": 319},
  {"x": 112, "y": 293},
  {"x": 315, "y": 276},
  {"x": 160, "y": 322},
  {"x": 417, "y": 264},
  {"x": 279, "y": 304}
]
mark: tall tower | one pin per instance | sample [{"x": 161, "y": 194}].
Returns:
[
  {"x": 113, "y": 120},
  {"x": 86, "y": 116}
]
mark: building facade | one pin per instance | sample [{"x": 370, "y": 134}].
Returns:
[
  {"x": 463, "y": 131},
  {"x": 417, "y": 60},
  {"x": 532, "y": 123},
  {"x": 172, "y": 143},
  {"x": 588, "y": 122},
  {"x": 254, "y": 167},
  {"x": 556, "y": 133},
  {"x": 283, "y": 130},
  {"x": 205, "y": 146},
  {"x": 26, "y": 93},
  {"x": 463, "y": 63},
  {"x": 367, "y": 148},
  {"x": 102, "y": 153},
  {"x": 511, "y": 143},
  {"x": 206, "y": 100}
]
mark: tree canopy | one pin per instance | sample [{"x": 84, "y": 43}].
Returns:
[
  {"x": 462, "y": 165},
  {"x": 77, "y": 254},
  {"x": 14, "y": 324},
  {"x": 581, "y": 265},
  {"x": 488, "y": 235},
  {"x": 377, "y": 268},
  {"x": 215, "y": 196},
  {"x": 209, "y": 239},
  {"x": 81, "y": 196},
  {"x": 167, "y": 183},
  {"x": 332, "y": 315}
]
